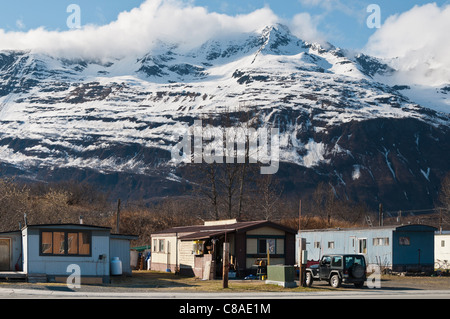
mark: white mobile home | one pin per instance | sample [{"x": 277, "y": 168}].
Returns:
[
  {"x": 51, "y": 250},
  {"x": 442, "y": 250},
  {"x": 400, "y": 248}
]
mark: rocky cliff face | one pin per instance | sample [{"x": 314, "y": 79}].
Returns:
[{"x": 114, "y": 122}]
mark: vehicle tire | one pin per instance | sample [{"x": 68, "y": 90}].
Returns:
[
  {"x": 359, "y": 284},
  {"x": 335, "y": 281},
  {"x": 309, "y": 279},
  {"x": 358, "y": 271}
]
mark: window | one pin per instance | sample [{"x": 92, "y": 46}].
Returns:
[
  {"x": 161, "y": 245},
  {"x": 326, "y": 260},
  {"x": 381, "y": 241},
  {"x": 155, "y": 244},
  {"x": 65, "y": 243},
  {"x": 336, "y": 261},
  {"x": 353, "y": 260},
  {"x": 404, "y": 241},
  {"x": 266, "y": 245},
  {"x": 442, "y": 243},
  {"x": 72, "y": 243},
  {"x": 331, "y": 244},
  {"x": 317, "y": 244}
]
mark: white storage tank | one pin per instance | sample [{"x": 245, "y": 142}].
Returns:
[{"x": 116, "y": 266}]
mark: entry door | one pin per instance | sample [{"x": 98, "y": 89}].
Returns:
[
  {"x": 362, "y": 246},
  {"x": 5, "y": 254}
]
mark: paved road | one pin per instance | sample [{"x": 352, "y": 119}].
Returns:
[{"x": 8, "y": 293}]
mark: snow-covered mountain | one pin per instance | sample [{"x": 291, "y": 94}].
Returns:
[{"x": 342, "y": 117}]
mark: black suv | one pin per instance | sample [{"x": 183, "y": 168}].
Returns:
[{"x": 337, "y": 269}]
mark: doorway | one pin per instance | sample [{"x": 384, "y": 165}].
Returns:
[
  {"x": 362, "y": 246},
  {"x": 5, "y": 254}
]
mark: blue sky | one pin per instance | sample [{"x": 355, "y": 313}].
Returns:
[{"x": 342, "y": 22}]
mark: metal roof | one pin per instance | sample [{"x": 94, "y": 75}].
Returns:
[
  {"x": 410, "y": 227},
  {"x": 66, "y": 225},
  {"x": 208, "y": 231}
]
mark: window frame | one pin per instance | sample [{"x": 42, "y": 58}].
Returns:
[
  {"x": 272, "y": 248},
  {"x": 161, "y": 245},
  {"x": 66, "y": 233}
]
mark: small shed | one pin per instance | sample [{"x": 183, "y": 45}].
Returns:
[
  {"x": 198, "y": 250},
  {"x": 400, "y": 248}
]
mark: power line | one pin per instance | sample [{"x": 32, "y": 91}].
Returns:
[{"x": 416, "y": 210}]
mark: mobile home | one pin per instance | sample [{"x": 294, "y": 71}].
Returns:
[
  {"x": 48, "y": 251},
  {"x": 442, "y": 250},
  {"x": 198, "y": 250},
  {"x": 398, "y": 248}
]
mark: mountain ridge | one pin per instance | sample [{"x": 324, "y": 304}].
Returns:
[{"x": 121, "y": 116}]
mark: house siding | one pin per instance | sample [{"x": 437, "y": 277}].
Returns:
[
  {"x": 121, "y": 248},
  {"x": 15, "y": 242},
  {"x": 417, "y": 255},
  {"x": 442, "y": 252}
]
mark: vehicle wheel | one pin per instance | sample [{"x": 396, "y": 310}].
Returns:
[
  {"x": 309, "y": 279},
  {"x": 335, "y": 281},
  {"x": 359, "y": 284}
]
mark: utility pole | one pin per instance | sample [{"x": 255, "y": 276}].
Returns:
[
  {"x": 118, "y": 217},
  {"x": 226, "y": 249},
  {"x": 380, "y": 217},
  {"x": 300, "y": 247}
]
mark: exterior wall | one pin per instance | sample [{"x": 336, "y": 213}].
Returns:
[
  {"x": 252, "y": 239},
  {"x": 15, "y": 239},
  {"x": 91, "y": 266},
  {"x": 418, "y": 255},
  {"x": 121, "y": 248},
  {"x": 324, "y": 242},
  {"x": 166, "y": 259},
  {"x": 442, "y": 247}
]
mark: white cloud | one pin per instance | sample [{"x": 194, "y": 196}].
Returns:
[
  {"x": 304, "y": 26},
  {"x": 136, "y": 31},
  {"x": 419, "y": 40}
]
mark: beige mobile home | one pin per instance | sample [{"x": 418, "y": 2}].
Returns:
[{"x": 198, "y": 250}]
